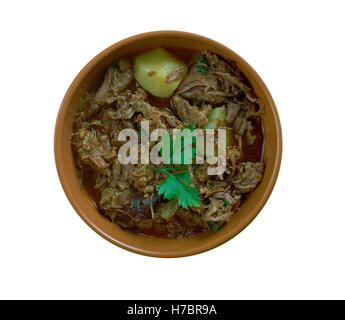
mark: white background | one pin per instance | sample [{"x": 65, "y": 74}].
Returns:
[{"x": 293, "y": 249}]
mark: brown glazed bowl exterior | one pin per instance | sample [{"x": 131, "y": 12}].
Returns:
[{"x": 89, "y": 77}]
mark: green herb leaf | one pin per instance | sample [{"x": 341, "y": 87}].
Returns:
[
  {"x": 226, "y": 203},
  {"x": 176, "y": 186},
  {"x": 202, "y": 59},
  {"x": 214, "y": 226},
  {"x": 202, "y": 69}
]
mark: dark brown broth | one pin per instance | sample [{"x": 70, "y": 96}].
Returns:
[{"x": 254, "y": 152}]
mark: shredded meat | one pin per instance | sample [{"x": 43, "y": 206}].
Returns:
[
  {"x": 232, "y": 112},
  {"x": 248, "y": 177},
  {"x": 115, "y": 81},
  {"x": 217, "y": 211},
  {"x": 127, "y": 194},
  {"x": 232, "y": 201},
  {"x": 202, "y": 88},
  {"x": 191, "y": 114},
  {"x": 131, "y": 104},
  {"x": 240, "y": 124},
  {"x": 233, "y": 155},
  {"x": 93, "y": 150},
  {"x": 174, "y": 75},
  {"x": 220, "y": 81}
]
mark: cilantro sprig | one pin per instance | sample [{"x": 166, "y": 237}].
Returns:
[
  {"x": 202, "y": 69},
  {"x": 178, "y": 181},
  {"x": 176, "y": 186},
  {"x": 214, "y": 226}
]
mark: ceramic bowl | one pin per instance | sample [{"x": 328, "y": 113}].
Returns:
[{"x": 90, "y": 77}]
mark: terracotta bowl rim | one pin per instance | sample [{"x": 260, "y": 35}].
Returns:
[{"x": 151, "y": 252}]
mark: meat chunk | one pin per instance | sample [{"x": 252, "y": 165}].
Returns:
[
  {"x": 112, "y": 198},
  {"x": 191, "y": 114},
  {"x": 105, "y": 86},
  {"x": 240, "y": 123},
  {"x": 233, "y": 155},
  {"x": 219, "y": 65},
  {"x": 120, "y": 77},
  {"x": 128, "y": 209},
  {"x": 115, "y": 81},
  {"x": 130, "y": 104},
  {"x": 232, "y": 112},
  {"x": 248, "y": 177},
  {"x": 232, "y": 201},
  {"x": 159, "y": 118},
  {"x": 228, "y": 73},
  {"x": 200, "y": 174},
  {"x": 140, "y": 176},
  {"x": 217, "y": 211},
  {"x": 93, "y": 150},
  {"x": 213, "y": 84},
  {"x": 249, "y": 136},
  {"x": 141, "y": 207},
  {"x": 212, "y": 186},
  {"x": 200, "y": 87},
  {"x": 175, "y": 74}
]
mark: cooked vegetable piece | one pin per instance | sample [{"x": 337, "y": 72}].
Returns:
[
  {"x": 216, "y": 118},
  {"x": 168, "y": 209},
  {"x": 159, "y": 72}
]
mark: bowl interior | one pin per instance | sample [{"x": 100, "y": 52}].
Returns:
[{"x": 90, "y": 77}]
